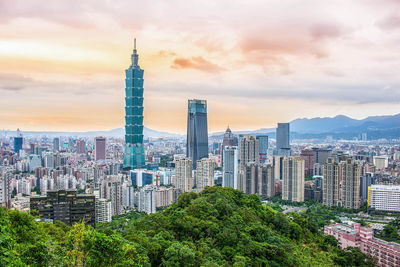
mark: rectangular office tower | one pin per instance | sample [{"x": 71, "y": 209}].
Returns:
[
  {"x": 197, "y": 131},
  {"x": 263, "y": 147},
  {"x": 134, "y": 150},
  {"x": 100, "y": 148},
  {"x": 283, "y": 139},
  {"x": 56, "y": 144},
  {"x": 18, "y": 142},
  {"x": 230, "y": 167}
]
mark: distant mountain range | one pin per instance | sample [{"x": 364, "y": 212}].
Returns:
[
  {"x": 340, "y": 126},
  {"x": 118, "y": 132}
]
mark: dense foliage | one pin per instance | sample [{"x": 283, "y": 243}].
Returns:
[
  {"x": 391, "y": 231},
  {"x": 218, "y": 227}
]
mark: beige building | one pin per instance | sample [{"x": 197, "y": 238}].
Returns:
[
  {"x": 331, "y": 183},
  {"x": 349, "y": 174},
  {"x": 183, "y": 174},
  {"x": 341, "y": 183},
  {"x": 165, "y": 196},
  {"x": 257, "y": 179},
  {"x": 204, "y": 173},
  {"x": 249, "y": 150},
  {"x": 293, "y": 179}
]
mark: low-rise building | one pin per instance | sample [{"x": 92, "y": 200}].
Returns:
[
  {"x": 353, "y": 235},
  {"x": 65, "y": 206}
]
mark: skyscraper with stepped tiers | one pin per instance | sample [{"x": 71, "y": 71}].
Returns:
[{"x": 134, "y": 150}]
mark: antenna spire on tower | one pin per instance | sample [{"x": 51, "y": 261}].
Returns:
[{"x": 134, "y": 43}]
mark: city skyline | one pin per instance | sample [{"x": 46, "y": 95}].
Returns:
[{"x": 66, "y": 72}]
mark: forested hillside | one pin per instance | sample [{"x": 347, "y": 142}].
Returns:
[{"x": 218, "y": 227}]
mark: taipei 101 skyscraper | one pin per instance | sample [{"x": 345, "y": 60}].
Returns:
[{"x": 134, "y": 150}]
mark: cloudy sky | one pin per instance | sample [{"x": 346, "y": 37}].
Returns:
[{"x": 256, "y": 62}]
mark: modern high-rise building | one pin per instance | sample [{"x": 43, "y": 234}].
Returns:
[
  {"x": 331, "y": 194},
  {"x": 283, "y": 139},
  {"x": 309, "y": 160},
  {"x": 350, "y": 173},
  {"x": 111, "y": 188},
  {"x": 249, "y": 150},
  {"x": 100, "y": 148},
  {"x": 276, "y": 162},
  {"x": 56, "y": 144},
  {"x": 18, "y": 142},
  {"x": 80, "y": 146},
  {"x": 366, "y": 181},
  {"x": 257, "y": 179},
  {"x": 204, "y": 173},
  {"x": 103, "y": 210},
  {"x": 381, "y": 162},
  {"x": 66, "y": 206},
  {"x": 147, "y": 199},
  {"x": 321, "y": 155},
  {"x": 183, "y": 174},
  {"x": 293, "y": 179},
  {"x": 197, "y": 131},
  {"x": 134, "y": 150},
  {"x": 5, "y": 189},
  {"x": 229, "y": 140},
  {"x": 262, "y": 147},
  {"x": 230, "y": 167}
]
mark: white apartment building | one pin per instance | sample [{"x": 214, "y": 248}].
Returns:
[
  {"x": 183, "y": 174},
  {"x": 204, "y": 173},
  {"x": 103, "y": 210},
  {"x": 384, "y": 197}
]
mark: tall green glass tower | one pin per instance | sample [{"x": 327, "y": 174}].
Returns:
[{"x": 134, "y": 150}]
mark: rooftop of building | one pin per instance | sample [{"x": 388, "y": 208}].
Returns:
[
  {"x": 343, "y": 228},
  {"x": 390, "y": 244},
  {"x": 381, "y": 187}
]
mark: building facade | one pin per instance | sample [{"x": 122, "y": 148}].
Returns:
[
  {"x": 331, "y": 191},
  {"x": 66, "y": 206},
  {"x": 230, "y": 167},
  {"x": 103, "y": 210},
  {"x": 249, "y": 150},
  {"x": 204, "y": 174},
  {"x": 262, "y": 147},
  {"x": 350, "y": 173},
  {"x": 197, "y": 131},
  {"x": 258, "y": 179},
  {"x": 309, "y": 160},
  {"x": 134, "y": 150},
  {"x": 5, "y": 189},
  {"x": 283, "y": 139},
  {"x": 183, "y": 174},
  {"x": 80, "y": 147},
  {"x": 384, "y": 198},
  {"x": 100, "y": 148},
  {"x": 293, "y": 179}
]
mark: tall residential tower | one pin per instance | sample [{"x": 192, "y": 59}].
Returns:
[{"x": 134, "y": 150}]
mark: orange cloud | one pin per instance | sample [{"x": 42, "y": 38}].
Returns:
[{"x": 197, "y": 63}]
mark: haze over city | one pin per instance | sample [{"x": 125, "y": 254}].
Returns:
[{"x": 62, "y": 63}]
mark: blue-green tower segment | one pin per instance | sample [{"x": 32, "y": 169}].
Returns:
[{"x": 134, "y": 150}]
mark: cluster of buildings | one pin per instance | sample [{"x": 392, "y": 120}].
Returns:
[{"x": 92, "y": 179}]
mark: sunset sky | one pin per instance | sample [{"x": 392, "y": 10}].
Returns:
[{"x": 62, "y": 63}]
